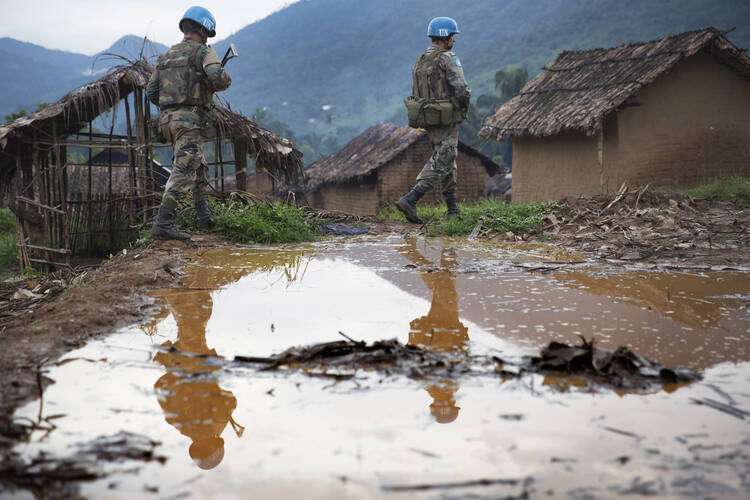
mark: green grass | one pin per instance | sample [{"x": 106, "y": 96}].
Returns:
[
  {"x": 497, "y": 215},
  {"x": 735, "y": 188},
  {"x": 8, "y": 240},
  {"x": 246, "y": 221}
]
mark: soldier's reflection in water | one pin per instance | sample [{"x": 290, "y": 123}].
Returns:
[
  {"x": 441, "y": 329},
  {"x": 192, "y": 402}
]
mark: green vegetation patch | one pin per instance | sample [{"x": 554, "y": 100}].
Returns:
[
  {"x": 8, "y": 240},
  {"x": 735, "y": 188},
  {"x": 247, "y": 221},
  {"x": 496, "y": 215}
]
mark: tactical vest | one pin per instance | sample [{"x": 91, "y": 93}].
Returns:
[
  {"x": 428, "y": 83},
  {"x": 181, "y": 78},
  {"x": 431, "y": 103}
]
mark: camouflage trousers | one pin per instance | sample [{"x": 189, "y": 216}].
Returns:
[
  {"x": 441, "y": 167},
  {"x": 189, "y": 172}
]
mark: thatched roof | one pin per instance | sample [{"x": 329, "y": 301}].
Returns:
[
  {"x": 372, "y": 149},
  {"x": 73, "y": 111},
  {"x": 578, "y": 89}
]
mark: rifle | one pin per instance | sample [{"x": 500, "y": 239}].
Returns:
[{"x": 231, "y": 54}]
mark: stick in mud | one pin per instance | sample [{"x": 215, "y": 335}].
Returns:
[
  {"x": 461, "y": 484},
  {"x": 729, "y": 410}
]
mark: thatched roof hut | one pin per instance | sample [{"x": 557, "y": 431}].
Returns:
[
  {"x": 35, "y": 174},
  {"x": 380, "y": 165},
  {"x": 667, "y": 111},
  {"x": 577, "y": 90},
  {"x": 74, "y": 110}
]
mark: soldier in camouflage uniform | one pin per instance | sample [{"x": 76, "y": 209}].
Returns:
[
  {"x": 439, "y": 74},
  {"x": 182, "y": 86}
]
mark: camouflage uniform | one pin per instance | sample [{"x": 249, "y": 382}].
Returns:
[
  {"x": 444, "y": 77},
  {"x": 182, "y": 85}
]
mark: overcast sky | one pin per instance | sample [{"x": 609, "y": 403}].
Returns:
[{"x": 90, "y": 26}]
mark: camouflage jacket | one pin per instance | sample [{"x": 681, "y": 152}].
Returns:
[
  {"x": 188, "y": 74},
  {"x": 438, "y": 74}
]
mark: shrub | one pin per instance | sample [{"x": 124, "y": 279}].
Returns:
[
  {"x": 247, "y": 221},
  {"x": 497, "y": 215}
]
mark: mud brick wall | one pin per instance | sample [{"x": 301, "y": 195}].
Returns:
[
  {"x": 397, "y": 177},
  {"x": 691, "y": 126},
  {"x": 550, "y": 168},
  {"x": 355, "y": 199},
  {"x": 688, "y": 127},
  {"x": 259, "y": 183}
]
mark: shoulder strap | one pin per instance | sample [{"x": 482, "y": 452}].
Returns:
[
  {"x": 436, "y": 64},
  {"x": 415, "y": 90}
]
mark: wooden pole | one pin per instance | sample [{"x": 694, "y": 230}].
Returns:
[
  {"x": 240, "y": 165},
  {"x": 140, "y": 133},
  {"x": 65, "y": 243},
  {"x": 41, "y": 185},
  {"x": 151, "y": 185},
  {"x": 131, "y": 160},
  {"x": 110, "y": 236},
  {"x": 216, "y": 164},
  {"x": 221, "y": 163},
  {"x": 23, "y": 254},
  {"x": 600, "y": 157},
  {"x": 89, "y": 215}
]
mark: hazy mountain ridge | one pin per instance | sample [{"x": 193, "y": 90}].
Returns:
[
  {"x": 338, "y": 66},
  {"x": 356, "y": 55},
  {"x": 36, "y": 74}
]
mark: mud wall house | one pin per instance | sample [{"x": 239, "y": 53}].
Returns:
[
  {"x": 672, "y": 111},
  {"x": 380, "y": 165},
  {"x": 96, "y": 206},
  {"x": 260, "y": 183}
]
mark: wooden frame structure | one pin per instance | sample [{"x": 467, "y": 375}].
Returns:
[{"x": 86, "y": 208}]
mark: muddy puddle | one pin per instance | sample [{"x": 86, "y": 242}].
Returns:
[{"x": 229, "y": 430}]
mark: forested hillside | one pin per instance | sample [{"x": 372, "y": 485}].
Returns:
[
  {"x": 326, "y": 69},
  {"x": 341, "y": 65}
]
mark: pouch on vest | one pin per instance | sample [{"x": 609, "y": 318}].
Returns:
[{"x": 429, "y": 112}]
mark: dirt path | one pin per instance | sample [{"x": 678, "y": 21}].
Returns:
[{"x": 60, "y": 312}]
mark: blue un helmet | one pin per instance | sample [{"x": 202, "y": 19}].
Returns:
[
  {"x": 201, "y": 16},
  {"x": 442, "y": 27}
]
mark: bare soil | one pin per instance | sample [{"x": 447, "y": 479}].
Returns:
[{"x": 40, "y": 319}]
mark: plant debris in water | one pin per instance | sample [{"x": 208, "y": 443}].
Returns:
[
  {"x": 620, "y": 368},
  {"x": 383, "y": 355}
]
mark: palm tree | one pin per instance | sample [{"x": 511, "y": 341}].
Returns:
[{"x": 510, "y": 82}]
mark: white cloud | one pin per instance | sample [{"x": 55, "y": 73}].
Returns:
[{"x": 90, "y": 26}]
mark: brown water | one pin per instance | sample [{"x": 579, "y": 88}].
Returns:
[{"x": 235, "y": 433}]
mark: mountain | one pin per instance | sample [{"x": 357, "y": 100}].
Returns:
[
  {"x": 35, "y": 74},
  {"x": 330, "y": 68},
  {"x": 337, "y": 66}
]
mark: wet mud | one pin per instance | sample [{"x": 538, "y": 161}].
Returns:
[{"x": 391, "y": 366}]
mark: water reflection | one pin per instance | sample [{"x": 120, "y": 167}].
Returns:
[
  {"x": 441, "y": 329},
  {"x": 197, "y": 407},
  {"x": 697, "y": 300},
  {"x": 189, "y": 392}
]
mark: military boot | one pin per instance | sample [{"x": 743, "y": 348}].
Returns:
[
  {"x": 163, "y": 228},
  {"x": 203, "y": 220},
  {"x": 408, "y": 204},
  {"x": 453, "y": 210}
]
